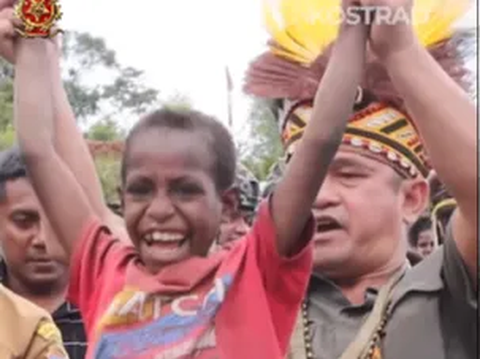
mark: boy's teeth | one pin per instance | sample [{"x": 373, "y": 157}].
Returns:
[{"x": 163, "y": 237}]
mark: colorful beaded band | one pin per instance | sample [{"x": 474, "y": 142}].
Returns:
[{"x": 379, "y": 129}]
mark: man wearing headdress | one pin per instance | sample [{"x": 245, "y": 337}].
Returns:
[{"x": 364, "y": 299}]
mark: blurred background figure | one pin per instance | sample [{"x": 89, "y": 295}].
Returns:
[
  {"x": 26, "y": 268},
  {"x": 274, "y": 175},
  {"x": 248, "y": 192},
  {"x": 422, "y": 237}
]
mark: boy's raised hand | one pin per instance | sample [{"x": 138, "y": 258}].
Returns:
[{"x": 333, "y": 105}]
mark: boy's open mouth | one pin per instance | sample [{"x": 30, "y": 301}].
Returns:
[{"x": 166, "y": 240}]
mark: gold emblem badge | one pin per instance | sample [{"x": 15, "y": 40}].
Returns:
[
  {"x": 48, "y": 331},
  {"x": 38, "y": 17}
]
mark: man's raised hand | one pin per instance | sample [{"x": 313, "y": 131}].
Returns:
[
  {"x": 392, "y": 29},
  {"x": 7, "y": 30}
]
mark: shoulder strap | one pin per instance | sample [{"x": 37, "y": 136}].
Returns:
[
  {"x": 358, "y": 348},
  {"x": 297, "y": 348}
]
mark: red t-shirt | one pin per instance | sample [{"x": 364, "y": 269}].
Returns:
[{"x": 235, "y": 304}]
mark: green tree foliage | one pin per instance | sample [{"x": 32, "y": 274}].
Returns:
[
  {"x": 7, "y": 137},
  {"x": 262, "y": 148},
  {"x": 86, "y": 59},
  {"x": 178, "y": 101},
  {"x": 105, "y": 130},
  {"x": 86, "y": 56},
  {"x": 7, "y": 134},
  {"x": 108, "y": 169}
]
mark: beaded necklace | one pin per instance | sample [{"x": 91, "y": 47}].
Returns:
[{"x": 373, "y": 352}]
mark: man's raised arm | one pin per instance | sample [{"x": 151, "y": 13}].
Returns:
[
  {"x": 73, "y": 150},
  {"x": 445, "y": 116}
]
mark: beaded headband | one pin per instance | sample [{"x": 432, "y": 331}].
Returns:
[{"x": 378, "y": 128}]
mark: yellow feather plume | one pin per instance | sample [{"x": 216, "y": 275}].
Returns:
[{"x": 302, "y": 29}]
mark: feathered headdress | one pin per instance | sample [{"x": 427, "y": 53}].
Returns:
[{"x": 302, "y": 32}]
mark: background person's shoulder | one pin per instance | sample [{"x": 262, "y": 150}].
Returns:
[
  {"x": 20, "y": 320},
  {"x": 47, "y": 342}
]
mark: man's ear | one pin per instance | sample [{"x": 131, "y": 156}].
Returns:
[
  {"x": 416, "y": 196},
  {"x": 230, "y": 204}
]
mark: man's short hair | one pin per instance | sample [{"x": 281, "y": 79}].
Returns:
[{"x": 12, "y": 167}]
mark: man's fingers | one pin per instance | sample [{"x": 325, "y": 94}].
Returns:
[
  {"x": 7, "y": 48},
  {"x": 16, "y": 22},
  {"x": 7, "y": 20},
  {"x": 7, "y": 3},
  {"x": 7, "y": 13},
  {"x": 6, "y": 30}
]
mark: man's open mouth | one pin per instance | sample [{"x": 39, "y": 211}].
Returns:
[{"x": 327, "y": 224}]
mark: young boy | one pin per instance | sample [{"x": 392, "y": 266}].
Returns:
[{"x": 163, "y": 297}]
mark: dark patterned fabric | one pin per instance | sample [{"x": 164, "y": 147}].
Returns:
[{"x": 68, "y": 320}]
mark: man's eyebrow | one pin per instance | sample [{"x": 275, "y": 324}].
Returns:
[
  {"x": 24, "y": 210},
  {"x": 347, "y": 162}
]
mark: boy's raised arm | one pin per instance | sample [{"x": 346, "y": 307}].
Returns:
[
  {"x": 294, "y": 196},
  {"x": 69, "y": 143},
  {"x": 62, "y": 198},
  {"x": 73, "y": 150}
]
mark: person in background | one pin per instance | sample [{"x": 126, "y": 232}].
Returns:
[
  {"x": 422, "y": 237},
  {"x": 26, "y": 330},
  {"x": 238, "y": 224},
  {"x": 274, "y": 175},
  {"x": 25, "y": 266}
]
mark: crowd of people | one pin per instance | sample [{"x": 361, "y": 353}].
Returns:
[{"x": 363, "y": 244}]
